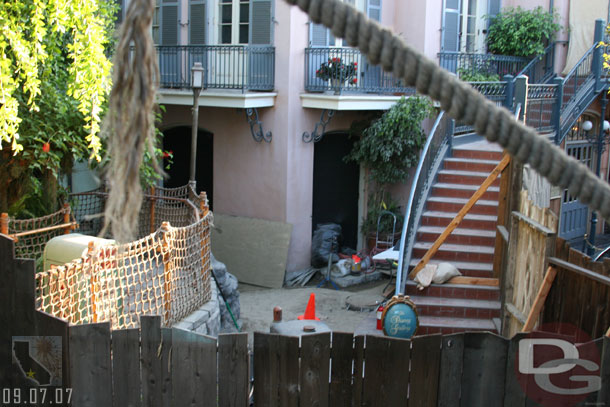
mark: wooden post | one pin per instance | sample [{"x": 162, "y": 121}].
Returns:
[
  {"x": 460, "y": 216},
  {"x": 93, "y": 281},
  {"x": 205, "y": 236},
  {"x": 503, "y": 212},
  {"x": 167, "y": 272},
  {"x": 68, "y": 228},
  {"x": 203, "y": 203},
  {"x": 152, "y": 210},
  {"x": 543, "y": 292},
  {"x": 608, "y": 333},
  {"x": 4, "y": 223}
]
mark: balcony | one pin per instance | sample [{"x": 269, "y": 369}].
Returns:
[
  {"x": 484, "y": 64},
  {"x": 238, "y": 76},
  {"x": 373, "y": 89}
]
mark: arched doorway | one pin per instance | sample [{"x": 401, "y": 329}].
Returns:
[
  {"x": 178, "y": 140},
  {"x": 335, "y": 186}
]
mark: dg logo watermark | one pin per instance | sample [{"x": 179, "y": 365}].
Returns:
[{"x": 559, "y": 367}]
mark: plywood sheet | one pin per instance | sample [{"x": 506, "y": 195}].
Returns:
[{"x": 254, "y": 250}]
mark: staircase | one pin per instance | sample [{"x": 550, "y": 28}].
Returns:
[{"x": 450, "y": 308}]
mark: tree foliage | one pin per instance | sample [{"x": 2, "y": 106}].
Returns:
[
  {"x": 391, "y": 144},
  {"x": 519, "y": 32},
  {"x": 41, "y": 37}
]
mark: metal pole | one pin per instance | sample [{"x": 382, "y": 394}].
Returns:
[
  {"x": 600, "y": 149},
  {"x": 194, "y": 133}
]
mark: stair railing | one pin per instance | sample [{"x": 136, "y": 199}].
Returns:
[
  {"x": 437, "y": 145},
  {"x": 540, "y": 69}
]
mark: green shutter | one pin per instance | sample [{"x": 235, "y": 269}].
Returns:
[
  {"x": 260, "y": 22},
  {"x": 169, "y": 23},
  {"x": 373, "y": 9},
  {"x": 197, "y": 23}
]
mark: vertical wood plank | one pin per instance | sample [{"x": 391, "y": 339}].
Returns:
[
  {"x": 358, "y": 370},
  {"x": 314, "y": 377},
  {"x": 90, "y": 365},
  {"x": 193, "y": 367},
  {"x": 603, "y": 396},
  {"x": 386, "y": 374},
  {"x": 425, "y": 365},
  {"x": 151, "y": 365},
  {"x": 288, "y": 348},
  {"x": 484, "y": 369},
  {"x": 126, "y": 367},
  {"x": 166, "y": 364},
  {"x": 341, "y": 353},
  {"x": 503, "y": 216},
  {"x": 266, "y": 369},
  {"x": 513, "y": 390},
  {"x": 233, "y": 381},
  {"x": 47, "y": 325},
  {"x": 450, "y": 378}
]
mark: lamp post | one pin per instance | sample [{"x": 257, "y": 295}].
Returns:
[
  {"x": 600, "y": 139},
  {"x": 196, "y": 84}
]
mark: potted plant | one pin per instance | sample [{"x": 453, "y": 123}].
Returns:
[
  {"x": 388, "y": 148},
  {"x": 382, "y": 228},
  {"x": 337, "y": 72}
]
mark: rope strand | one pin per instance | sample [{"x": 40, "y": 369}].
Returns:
[{"x": 460, "y": 100}]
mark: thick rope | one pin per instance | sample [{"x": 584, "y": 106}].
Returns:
[
  {"x": 460, "y": 100},
  {"x": 129, "y": 124}
]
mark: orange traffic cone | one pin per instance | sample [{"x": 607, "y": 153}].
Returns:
[{"x": 310, "y": 311}]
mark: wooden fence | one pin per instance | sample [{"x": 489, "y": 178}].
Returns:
[{"x": 152, "y": 366}]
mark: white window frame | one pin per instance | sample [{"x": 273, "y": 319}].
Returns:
[{"x": 235, "y": 23}]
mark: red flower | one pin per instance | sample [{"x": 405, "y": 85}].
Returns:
[
  {"x": 165, "y": 154},
  {"x": 46, "y": 147},
  {"x": 355, "y": 63},
  {"x": 355, "y": 80}
]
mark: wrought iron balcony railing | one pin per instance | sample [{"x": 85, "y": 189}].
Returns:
[
  {"x": 242, "y": 67},
  {"x": 485, "y": 65},
  {"x": 362, "y": 78}
]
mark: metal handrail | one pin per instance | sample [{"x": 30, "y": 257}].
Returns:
[
  {"x": 529, "y": 69},
  {"x": 405, "y": 226},
  {"x": 580, "y": 61}
]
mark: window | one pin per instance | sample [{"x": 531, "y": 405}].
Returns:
[
  {"x": 465, "y": 25},
  {"x": 234, "y": 21}
]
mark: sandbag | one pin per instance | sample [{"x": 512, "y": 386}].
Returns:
[{"x": 326, "y": 239}]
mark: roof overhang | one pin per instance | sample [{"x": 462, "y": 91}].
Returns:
[{"x": 348, "y": 102}]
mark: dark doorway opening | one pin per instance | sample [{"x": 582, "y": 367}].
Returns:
[
  {"x": 178, "y": 140},
  {"x": 335, "y": 186}
]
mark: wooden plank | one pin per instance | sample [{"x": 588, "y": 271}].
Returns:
[
  {"x": 358, "y": 370},
  {"x": 425, "y": 365},
  {"x": 490, "y": 282},
  {"x": 513, "y": 390},
  {"x": 341, "y": 354},
  {"x": 460, "y": 215},
  {"x": 507, "y": 288},
  {"x": 503, "y": 204},
  {"x": 484, "y": 369},
  {"x": 48, "y": 325},
  {"x": 532, "y": 223},
  {"x": 450, "y": 378},
  {"x": 126, "y": 367},
  {"x": 266, "y": 371},
  {"x": 543, "y": 291},
  {"x": 233, "y": 371},
  {"x": 8, "y": 312},
  {"x": 579, "y": 270},
  {"x": 315, "y": 363},
  {"x": 288, "y": 370},
  {"x": 518, "y": 315},
  {"x": 386, "y": 374},
  {"x": 503, "y": 234},
  {"x": 603, "y": 396},
  {"x": 151, "y": 364},
  {"x": 166, "y": 366},
  {"x": 193, "y": 368},
  {"x": 252, "y": 236},
  {"x": 90, "y": 364}
]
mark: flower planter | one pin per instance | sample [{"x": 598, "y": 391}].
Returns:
[{"x": 336, "y": 84}]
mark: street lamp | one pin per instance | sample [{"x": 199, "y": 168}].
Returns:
[
  {"x": 196, "y": 84},
  {"x": 600, "y": 139}
]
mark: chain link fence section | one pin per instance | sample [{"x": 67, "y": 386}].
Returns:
[
  {"x": 165, "y": 273},
  {"x": 31, "y": 235}
]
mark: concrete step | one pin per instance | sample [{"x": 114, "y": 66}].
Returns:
[
  {"x": 473, "y": 292},
  {"x": 467, "y": 152},
  {"x": 456, "y": 307},
  {"x": 465, "y": 177},
  {"x": 456, "y": 252},
  {"x": 448, "y": 325},
  {"x": 458, "y": 236},
  {"x": 469, "y": 164},
  {"x": 448, "y": 204},
  {"x": 453, "y": 190},
  {"x": 467, "y": 268},
  {"x": 470, "y": 221}
]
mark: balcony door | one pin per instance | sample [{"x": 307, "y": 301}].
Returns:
[{"x": 464, "y": 25}]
